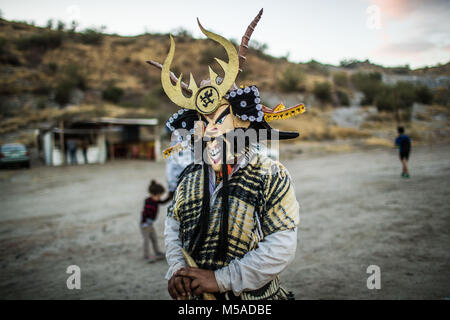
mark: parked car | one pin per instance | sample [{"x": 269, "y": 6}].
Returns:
[{"x": 14, "y": 154}]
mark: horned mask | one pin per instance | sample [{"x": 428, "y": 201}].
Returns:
[{"x": 245, "y": 103}]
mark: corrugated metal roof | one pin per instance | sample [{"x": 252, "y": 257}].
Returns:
[{"x": 144, "y": 122}]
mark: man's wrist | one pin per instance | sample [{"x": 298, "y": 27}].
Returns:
[
  {"x": 177, "y": 266},
  {"x": 223, "y": 279}
]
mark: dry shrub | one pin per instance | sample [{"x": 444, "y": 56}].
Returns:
[
  {"x": 378, "y": 142},
  {"x": 415, "y": 135},
  {"x": 381, "y": 117},
  {"x": 338, "y": 148},
  {"x": 313, "y": 127},
  {"x": 310, "y": 126},
  {"x": 423, "y": 116},
  {"x": 348, "y": 133}
]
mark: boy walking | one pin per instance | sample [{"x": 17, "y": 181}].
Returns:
[{"x": 403, "y": 142}]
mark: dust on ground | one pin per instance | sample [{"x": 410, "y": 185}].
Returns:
[{"x": 356, "y": 211}]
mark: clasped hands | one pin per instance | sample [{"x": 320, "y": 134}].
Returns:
[{"x": 192, "y": 280}]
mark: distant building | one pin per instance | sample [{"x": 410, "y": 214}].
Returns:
[
  {"x": 98, "y": 140},
  {"x": 432, "y": 82}
]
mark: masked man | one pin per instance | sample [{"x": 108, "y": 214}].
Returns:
[{"x": 234, "y": 211}]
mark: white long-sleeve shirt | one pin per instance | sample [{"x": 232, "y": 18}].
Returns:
[{"x": 255, "y": 269}]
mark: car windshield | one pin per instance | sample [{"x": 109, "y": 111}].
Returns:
[{"x": 13, "y": 147}]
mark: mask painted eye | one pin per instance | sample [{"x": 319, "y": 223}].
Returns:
[{"x": 221, "y": 120}]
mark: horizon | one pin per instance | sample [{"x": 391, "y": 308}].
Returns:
[{"x": 390, "y": 34}]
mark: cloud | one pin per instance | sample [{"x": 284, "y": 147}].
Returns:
[
  {"x": 396, "y": 9},
  {"x": 403, "y": 9},
  {"x": 413, "y": 30}
]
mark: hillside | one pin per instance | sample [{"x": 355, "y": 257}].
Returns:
[
  {"x": 34, "y": 60},
  {"x": 47, "y": 74}
]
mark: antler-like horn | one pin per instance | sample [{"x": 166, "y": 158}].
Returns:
[
  {"x": 231, "y": 68},
  {"x": 208, "y": 97},
  {"x": 246, "y": 39},
  {"x": 174, "y": 92},
  {"x": 173, "y": 77}
]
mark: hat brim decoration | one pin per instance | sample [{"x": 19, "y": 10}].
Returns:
[
  {"x": 247, "y": 105},
  {"x": 280, "y": 112},
  {"x": 181, "y": 124}
]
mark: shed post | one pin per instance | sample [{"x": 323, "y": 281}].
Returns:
[{"x": 61, "y": 140}]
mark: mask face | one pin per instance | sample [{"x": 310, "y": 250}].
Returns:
[{"x": 217, "y": 124}]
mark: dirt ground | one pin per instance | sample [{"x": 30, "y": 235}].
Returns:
[{"x": 356, "y": 211}]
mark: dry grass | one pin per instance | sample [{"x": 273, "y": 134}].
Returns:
[
  {"x": 380, "y": 116},
  {"x": 378, "y": 142},
  {"x": 314, "y": 125},
  {"x": 348, "y": 133},
  {"x": 338, "y": 148}
]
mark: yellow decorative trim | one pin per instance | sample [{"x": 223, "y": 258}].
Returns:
[
  {"x": 279, "y": 107},
  {"x": 280, "y": 113},
  {"x": 176, "y": 148}
]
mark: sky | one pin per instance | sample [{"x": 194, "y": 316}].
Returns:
[{"x": 387, "y": 32}]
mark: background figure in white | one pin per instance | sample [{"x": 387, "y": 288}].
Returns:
[{"x": 176, "y": 164}]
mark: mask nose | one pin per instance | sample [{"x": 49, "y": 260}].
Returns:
[{"x": 211, "y": 130}]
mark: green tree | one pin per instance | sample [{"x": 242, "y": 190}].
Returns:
[
  {"x": 340, "y": 79},
  {"x": 396, "y": 98},
  {"x": 424, "y": 94},
  {"x": 49, "y": 24},
  {"x": 42, "y": 41},
  {"x": 385, "y": 100},
  {"x": 72, "y": 78},
  {"x": 322, "y": 91},
  {"x": 369, "y": 84},
  {"x": 61, "y": 25},
  {"x": 113, "y": 94},
  {"x": 292, "y": 80},
  {"x": 91, "y": 36},
  {"x": 343, "y": 98},
  {"x": 405, "y": 93},
  {"x": 63, "y": 92}
]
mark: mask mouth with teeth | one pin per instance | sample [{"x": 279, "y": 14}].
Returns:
[
  {"x": 215, "y": 152},
  {"x": 214, "y": 110},
  {"x": 217, "y": 125}
]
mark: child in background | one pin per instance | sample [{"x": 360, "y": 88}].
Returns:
[
  {"x": 403, "y": 142},
  {"x": 149, "y": 214}
]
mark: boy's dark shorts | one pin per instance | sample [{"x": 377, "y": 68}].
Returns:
[{"x": 404, "y": 155}]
